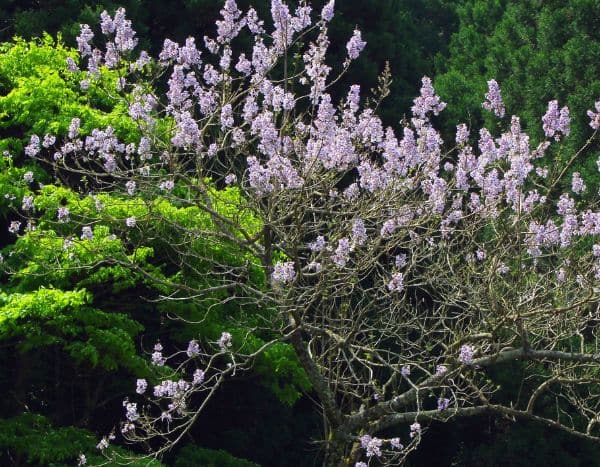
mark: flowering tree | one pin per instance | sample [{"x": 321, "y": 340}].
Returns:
[{"x": 401, "y": 268}]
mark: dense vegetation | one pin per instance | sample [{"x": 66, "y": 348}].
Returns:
[{"x": 75, "y": 337}]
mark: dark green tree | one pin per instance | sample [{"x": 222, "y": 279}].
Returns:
[{"x": 537, "y": 51}]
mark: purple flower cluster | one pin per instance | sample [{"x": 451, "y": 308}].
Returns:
[
  {"x": 33, "y": 148},
  {"x": 171, "y": 389},
  {"x": 283, "y": 272},
  {"x": 443, "y": 403},
  {"x": 466, "y": 354},
  {"x": 141, "y": 386},
  {"x": 556, "y": 122},
  {"x": 198, "y": 377},
  {"x": 396, "y": 284},
  {"x": 355, "y": 45},
  {"x": 193, "y": 349},
  {"x": 396, "y": 444},
  {"x": 63, "y": 214},
  {"x": 14, "y": 227},
  {"x": 371, "y": 445},
  {"x": 415, "y": 429},
  {"x": 87, "y": 233},
  {"x": 577, "y": 184},
  {"x": 493, "y": 98},
  {"x": 359, "y": 232},
  {"x": 318, "y": 244},
  {"x": 224, "y": 341},
  {"x": 328, "y": 11},
  {"x": 230, "y": 26},
  {"x": 120, "y": 26},
  {"x": 341, "y": 254},
  {"x": 595, "y": 116},
  {"x": 27, "y": 203},
  {"x": 428, "y": 101},
  {"x": 131, "y": 412},
  {"x": 83, "y": 40},
  {"x": 157, "y": 356}
]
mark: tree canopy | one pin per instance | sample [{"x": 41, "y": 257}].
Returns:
[{"x": 233, "y": 227}]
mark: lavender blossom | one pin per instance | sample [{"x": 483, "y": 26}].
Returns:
[
  {"x": 131, "y": 411},
  {"x": 130, "y": 186},
  {"x": 355, "y": 45},
  {"x": 577, "y": 184},
  {"x": 318, "y": 244},
  {"x": 371, "y": 445},
  {"x": 48, "y": 140},
  {"x": 14, "y": 227},
  {"x": 342, "y": 253},
  {"x": 224, "y": 341},
  {"x": 283, "y": 272},
  {"x": 103, "y": 444},
  {"x": 595, "y": 116},
  {"x": 141, "y": 386},
  {"x": 428, "y": 101},
  {"x": 397, "y": 283},
  {"x": 86, "y": 233},
  {"x": 193, "y": 349},
  {"x": 74, "y": 128},
  {"x": 83, "y": 40},
  {"x": 27, "y": 203},
  {"x": 33, "y": 148},
  {"x": 359, "y": 232},
  {"x": 328, "y": 11},
  {"x": 63, "y": 214},
  {"x": 167, "y": 185},
  {"x": 396, "y": 444},
  {"x": 388, "y": 228},
  {"x": 555, "y": 121},
  {"x": 493, "y": 101},
  {"x": 157, "y": 356},
  {"x": 198, "y": 377},
  {"x": 229, "y": 27},
  {"x": 443, "y": 403},
  {"x": 466, "y": 354}
]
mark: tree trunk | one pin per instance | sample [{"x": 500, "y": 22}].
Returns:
[{"x": 337, "y": 454}]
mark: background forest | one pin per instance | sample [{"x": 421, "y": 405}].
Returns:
[{"x": 71, "y": 345}]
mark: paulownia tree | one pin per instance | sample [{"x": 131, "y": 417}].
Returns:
[{"x": 401, "y": 268}]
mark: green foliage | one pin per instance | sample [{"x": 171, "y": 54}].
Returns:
[
  {"x": 89, "y": 336},
  {"x": 194, "y": 455},
  {"x": 31, "y": 440},
  {"x": 537, "y": 51},
  {"x": 39, "y": 95},
  {"x": 45, "y": 306},
  {"x": 281, "y": 372}
]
